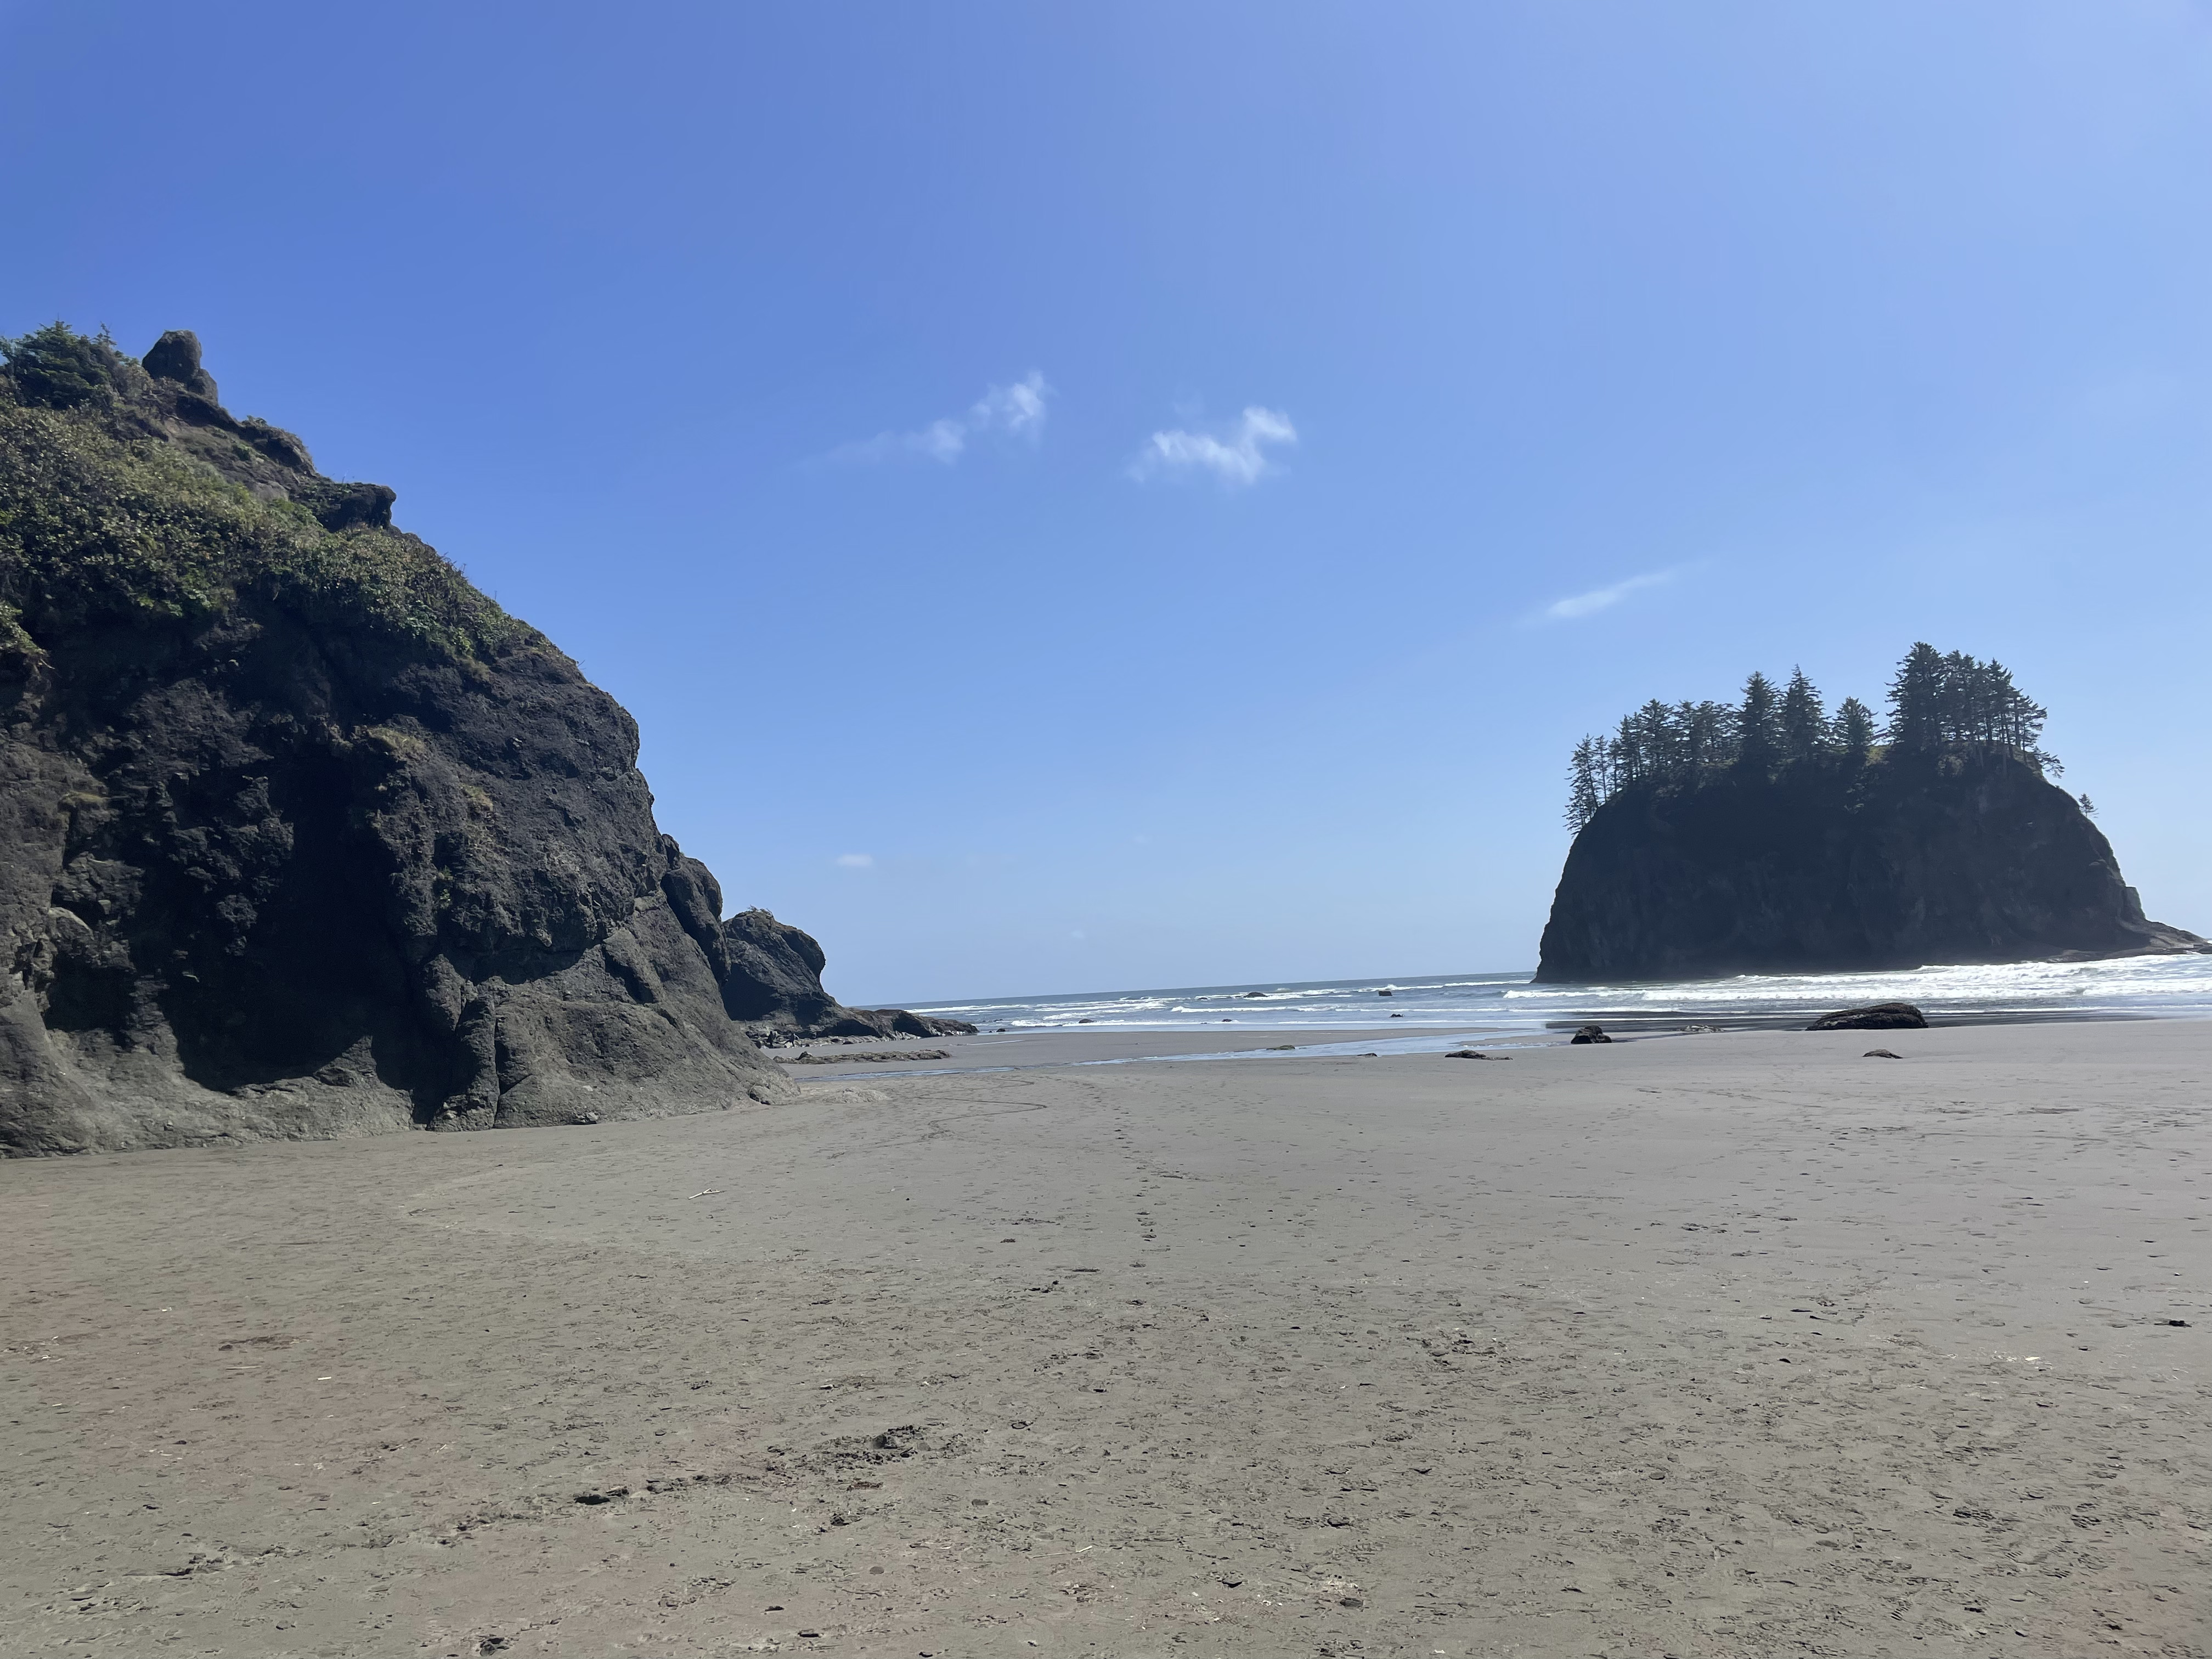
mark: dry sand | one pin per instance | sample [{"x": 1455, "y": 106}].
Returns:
[{"x": 1712, "y": 1345}]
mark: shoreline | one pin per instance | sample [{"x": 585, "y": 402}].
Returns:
[
  {"x": 1051, "y": 1047},
  {"x": 1744, "y": 1345},
  {"x": 2168, "y": 986},
  {"x": 989, "y": 1051}
]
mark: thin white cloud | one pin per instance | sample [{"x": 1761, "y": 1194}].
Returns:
[
  {"x": 1602, "y": 599},
  {"x": 1238, "y": 458},
  {"x": 857, "y": 860},
  {"x": 1017, "y": 410}
]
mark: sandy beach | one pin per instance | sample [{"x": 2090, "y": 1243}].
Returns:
[
  {"x": 1025, "y": 1050},
  {"x": 1730, "y": 1345}
]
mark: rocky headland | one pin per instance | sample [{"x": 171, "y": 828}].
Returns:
[{"x": 305, "y": 837}]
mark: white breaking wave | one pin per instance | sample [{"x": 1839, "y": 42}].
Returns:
[{"x": 2138, "y": 987}]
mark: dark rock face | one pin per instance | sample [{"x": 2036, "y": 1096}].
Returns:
[
  {"x": 176, "y": 357},
  {"x": 774, "y": 975},
  {"x": 339, "y": 506},
  {"x": 299, "y": 834},
  {"x": 772, "y": 982},
  {"x": 1910, "y": 861},
  {"x": 1874, "y": 1016},
  {"x": 893, "y": 1022},
  {"x": 1588, "y": 1034}
]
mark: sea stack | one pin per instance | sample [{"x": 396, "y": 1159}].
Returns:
[
  {"x": 1764, "y": 838},
  {"x": 305, "y": 835}
]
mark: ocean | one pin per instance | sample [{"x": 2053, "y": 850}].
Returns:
[{"x": 1505, "y": 1009}]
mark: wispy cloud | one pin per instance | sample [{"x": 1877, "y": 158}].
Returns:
[
  {"x": 1238, "y": 458},
  {"x": 1603, "y": 599},
  {"x": 1017, "y": 410},
  {"x": 857, "y": 860}
]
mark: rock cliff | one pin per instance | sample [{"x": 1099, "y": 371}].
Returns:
[
  {"x": 771, "y": 977},
  {"x": 300, "y": 834},
  {"x": 1913, "y": 859}
]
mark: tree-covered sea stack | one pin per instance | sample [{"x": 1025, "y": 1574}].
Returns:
[{"x": 1765, "y": 835}]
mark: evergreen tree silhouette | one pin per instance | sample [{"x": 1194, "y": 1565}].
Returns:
[
  {"x": 1758, "y": 725},
  {"x": 1804, "y": 720},
  {"x": 1853, "y": 733},
  {"x": 1915, "y": 700},
  {"x": 1586, "y": 782}
]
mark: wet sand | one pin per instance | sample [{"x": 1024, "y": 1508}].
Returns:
[
  {"x": 1730, "y": 1345},
  {"x": 1061, "y": 1046}
]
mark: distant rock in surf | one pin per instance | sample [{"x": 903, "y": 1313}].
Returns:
[{"x": 1874, "y": 1016}]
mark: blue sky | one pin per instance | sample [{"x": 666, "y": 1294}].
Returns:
[{"x": 1080, "y": 498}]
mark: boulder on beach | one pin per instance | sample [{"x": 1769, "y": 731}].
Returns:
[
  {"x": 1589, "y": 1034},
  {"x": 1874, "y": 1016}
]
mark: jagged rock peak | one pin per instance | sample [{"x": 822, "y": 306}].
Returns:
[{"x": 176, "y": 357}]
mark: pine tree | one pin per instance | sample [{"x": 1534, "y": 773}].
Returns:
[
  {"x": 2018, "y": 720},
  {"x": 1804, "y": 719},
  {"x": 1586, "y": 783},
  {"x": 1853, "y": 733},
  {"x": 1626, "y": 752},
  {"x": 1757, "y": 725},
  {"x": 1917, "y": 699},
  {"x": 1703, "y": 742},
  {"x": 1661, "y": 739}
]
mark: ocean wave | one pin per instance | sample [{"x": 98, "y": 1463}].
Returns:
[{"x": 1506, "y": 1003}]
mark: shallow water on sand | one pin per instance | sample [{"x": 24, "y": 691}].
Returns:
[{"x": 1506, "y": 1003}]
